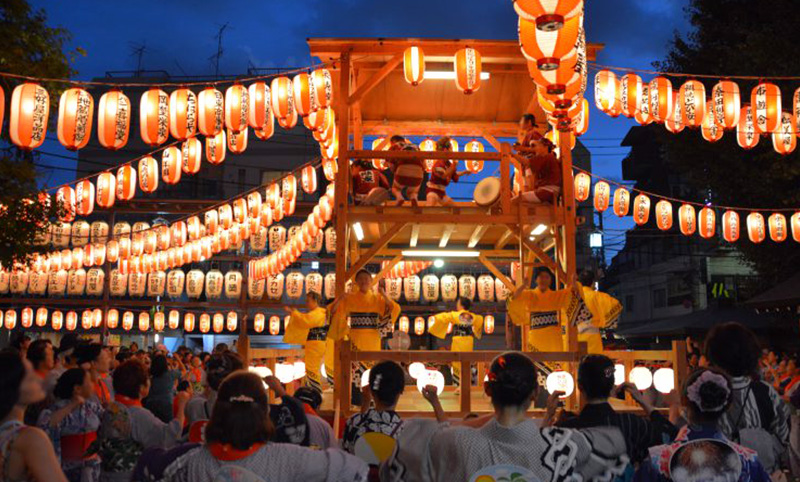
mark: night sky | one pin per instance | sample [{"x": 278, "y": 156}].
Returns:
[{"x": 179, "y": 38}]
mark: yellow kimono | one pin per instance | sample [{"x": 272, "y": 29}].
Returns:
[
  {"x": 466, "y": 327},
  {"x": 364, "y": 317},
  {"x": 539, "y": 310},
  {"x": 310, "y": 330},
  {"x": 605, "y": 314}
]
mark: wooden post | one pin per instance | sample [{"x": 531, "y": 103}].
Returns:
[
  {"x": 466, "y": 385},
  {"x": 569, "y": 226},
  {"x": 680, "y": 364},
  {"x": 505, "y": 177}
]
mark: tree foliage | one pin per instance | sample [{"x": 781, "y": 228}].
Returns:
[
  {"x": 741, "y": 37},
  {"x": 32, "y": 48}
]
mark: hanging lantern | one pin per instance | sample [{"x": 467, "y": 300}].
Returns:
[
  {"x": 127, "y": 320},
  {"x": 687, "y": 220},
  {"x": 275, "y": 286},
  {"x": 548, "y": 15},
  {"x": 137, "y": 284},
  {"x": 641, "y": 209},
  {"x": 156, "y": 283},
  {"x": 501, "y": 291},
  {"x": 65, "y": 200},
  {"x": 467, "y": 65},
  {"x": 277, "y": 237},
  {"x": 485, "y": 288},
  {"x": 756, "y": 229},
  {"x": 191, "y": 155},
  {"x": 95, "y": 279},
  {"x": 323, "y": 88},
  {"x": 692, "y": 102},
  {"x": 182, "y": 114},
  {"x": 302, "y": 93},
  {"x": 106, "y": 188},
  {"x": 237, "y": 141},
  {"x": 547, "y": 48},
  {"x": 674, "y": 122},
  {"x": 581, "y": 125},
  {"x": 601, "y": 196},
  {"x": 449, "y": 287},
  {"x": 282, "y": 98},
  {"x": 419, "y": 325},
  {"x": 26, "y": 317},
  {"x": 642, "y": 116},
  {"x": 174, "y": 319},
  {"x": 630, "y": 94},
  {"x": 294, "y": 285},
  {"x": 412, "y": 286},
  {"x": 274, "y": 325},
  {"x": 766, "y": 101},
  {"x": 113, "y": 119},
  {"x": 777, "y": 227},
  {"x": 189, "y": 322},
  {"x": 195, "y": 281},
  {"x": 216, "y": 148},
  {"x": 746, "y": 134},
  {"x": 99, "y": 232},
  {"x": 330, "y": 240},
  {"x": 606, "y": 97},
  {"x": 622, "y": 201},
  {"x": 84, "y": 197},
  {"x": 236, "y": 105},
  {"x": 175, "y": 283},
  {"x": 403, "y": 324},
  {"x": 41, "y": 317},
  {"x": 467, "y": 287},
  {"x": 76, "y": 282},
  {"x": 414, "y": 65},
  {"x": 289, "y": 187},
  {"x": 664, "y": 215},
  {"x": 661, "y": 99},
  {"x": 171, "y": 165},
  {"x": 795, "y": 221},
  {"x": 726, "y": 102},
  {"x": 710, "y": 130},
  {"x": 259, "y": 322},
  {"x": 488, "y": 324},
  {"x": 232, "y": 321},
  {"x": 158, "y": 321},
  {"x": 75, "y": 112},
  {"x": 394, "y": 288},
  {"x": 583, "y": 184},
  {"x": 259, "y": 111},
  {"x": 784, "y": 139},
  {"x": 126, "y": 183},
  {"x": 314, "y": 283},
  {"x": 214, "y": 284},
  {"x": 707, "y": 222},
  {"x": 30, "y": 109},
  {"x": 211, "y": 113},
  {"x": 144, "y": 321},
  {"x": 118, "y": 283},
  {"x": 308, "y": 179},
  {"x": 80, "y": 233},
  {"x": 154, "y": 116}
]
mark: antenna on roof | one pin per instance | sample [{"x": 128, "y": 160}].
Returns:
[
  {"x": 215, "y": 58},
  {"x": 138, "y": 50}
]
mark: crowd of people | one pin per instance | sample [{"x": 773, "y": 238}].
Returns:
[
  {"x": 82, "y": 412},
  {"x": 539, "y": 178}
]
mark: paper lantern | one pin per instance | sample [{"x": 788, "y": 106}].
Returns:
[
  {"x": 274, "y": 325},
  {"x": 237, "y": 141},
  {"x": 330, "y": 240},
  {"x": 329, "y": 287},
  {"x": 182, "y": 114},
  {"x": 414, "y": 65},
  {"x": 156, "y": 282},
  {"x": 329, "y": 168},
  {"x": 642, "y": 377},
  {"x": 730, "y": 226},
  {"x": 547, "y": 48},
  {"x": 84, "y": 198},
  {"x": 118, "y": 283},
  {"x": 606, "y": 97},
  {"x": 583, "y": 184},
  {"x": 777, "y": 227},
  {"x": 431, "y": 377},
  {"x": 784, "y": 139},
  {"x": 259, "y": 109},
  {"x": 277, "y": 237},
  {"x": 76, "y": 282},
  {"x": 394, "y": 288},
  {"x": 171, "y": 165},
  {"x": 687, "y": 220},
  {"x": 205, "y": 323},
  {"x": 622, "y": 201},
  {"x": 214, "y": 284},
  {"x": 137, "y": 284},
  {"x": 188, "y": 322},
  {"x": 501, "y": 291},
  {"x": 80, "y": 233},
  {"x": 275, "y": 286},
  {"x": 154, "y": 116},
  {"x": 259, "y": 322},
  {"x": 314, "y": 282},
  {"x": 449, "y": 287},
  {"x": 231, "y": 321},
  {"x": 674, "y": 122},
  {"x": 106, "y": 188},
  {"x": 560, "y": 381},
  {"x": 195, "y": 280},
  {"x": 294, "y": 285},
  {"x": 429, "y": 287},
  {"x": 795, "y": 222},
  {"x": 416, "y": 370},
  {"x": 661, "y": 99},
  {"x": 113, "y": 119},
  {"x": 601, "y": 196},
  {"x": 710, "y": 130},
  {"x": 236, "y": 108},
  {"x": 692, "y": 102},
  {"x": 127, "y": 320},
  {"x": 726, "y": 102},
  {"x": 549, "y": 15},
  {"x": 144, "y": 321},
  {"x": 581, "y": 125},
  {"x": 75, "y": 111},
  {"x": 467, "y": 66},
  {"x": 642, "y": 116},
  {"x": 26, "y": 317},
  {"x": 191, "y": 156},
  {"x": 485, "y": 288},
  {"x": 37, "y": 283},
  {"x": 30, "y": 109},
  {"x": 467, "y": 287},
  {"x": 308, "y": 179},
  {"x": 225, "y": 216},
  {"x": 323, "y": 88},
  {"x": 707, "y": 222},
  {"x": 303, "y": 93},
  {"x": 664, "y": 215},
  {"x": 419, "y": 325},
  {"x": 126, "y": 183},
  {"x": 282, "y": 93},
  {"x": 65, "y": 200},
  {"x": 255, "y": 288},
  {"x": 216, "y": 148},
  {"x": 630, "y": 94},
  {"x": 488, "y": 324},
  {"x": 641, "y": 209},
  {"x": 746, "y": 134},
  {"x": 766, "y": 101},
  {"x": 664, "y": 380},
  {"x": 175, "y": 283},
  {"x": 158, "y": 321},
  {"x": 211, "y": 111}
]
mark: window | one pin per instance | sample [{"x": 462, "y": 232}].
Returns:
[
  {"x": 659, "y": 298},
  {"x": 629, "y": 303}
]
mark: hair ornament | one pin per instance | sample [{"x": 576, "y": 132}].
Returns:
[
  {"x": 693, "y": 390},
  {"x": 376, "y": 384},
  {"x": 241, "y": 399}
]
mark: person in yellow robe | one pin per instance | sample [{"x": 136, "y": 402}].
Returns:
[
  {"x": 540, "y": 308},
  {"x": 371, "y": 314},
  {"x": 310, "y": 329},
  {"x": 605, "y": 313},
  {"x": 466, "y": 327}
]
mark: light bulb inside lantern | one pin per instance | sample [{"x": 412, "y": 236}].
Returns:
[
  {"x": 664, "y": 380},
  {"x": 641, "y": 377},
  {"x": 416, "y": 370},
  {"x": 619, "y": 374},
  {"x": 560, "y": 381},
  {"x": 431, "y": 377}
]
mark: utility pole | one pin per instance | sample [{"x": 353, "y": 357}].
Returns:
[
  {"x": 215, "y": 58},
  {"x": 138, "y": 51}
]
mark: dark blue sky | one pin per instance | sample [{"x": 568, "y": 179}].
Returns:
[{"x": 179, "y": 38}]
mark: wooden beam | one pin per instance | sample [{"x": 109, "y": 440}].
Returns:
[
  {"x": 446, "y": 233},
  {"x": 504, "y": 239},
  {"x": 506, "y": 254},
  {"x": 497, "y": 273},
  {"x": 492, "y": 140},
  {"x": 414, "y": 155},
  {"x": 374, "y": 249},
  {"x": 429, "y": 218},
  {"x": 386, "y": 269},
  {"x": 542, "y": 256},
  {"x": 376, "y": 78},
  {"x": 477, "y": 234},
  {"x": 434, "y": 127},
  {"x": 414, "y": 236}
]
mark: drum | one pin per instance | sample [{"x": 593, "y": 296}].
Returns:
[
  {"x": 376, "y": 197},
  {"x": 487, "y": 192}
]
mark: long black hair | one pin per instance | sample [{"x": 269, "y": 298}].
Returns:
[
  {"x": 65, "y": 386},
  {"x": 241, "y": 414},
  {"x": 12, "y": 372},
  {"x": 513, "y": 380}
]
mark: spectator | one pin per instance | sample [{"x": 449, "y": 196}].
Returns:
[
  {"x": 96, "y": 360},
  {"x": 219, "y": 366},
  {"x": 163, "y": 383},
  {"x": 40, "y": 354},
  {"x": 65, "y": 359},
  {"x": 21, "y": 342}
]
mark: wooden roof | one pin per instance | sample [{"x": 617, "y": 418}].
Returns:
[{"x": 437, "y": 107}]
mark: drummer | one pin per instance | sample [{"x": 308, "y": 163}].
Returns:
[
  {"x": 370, "y": 186},
  {"x": 408, "y": 173},
  {"x": 444, "y": 171},
  {"x": 542, "y": 173}
]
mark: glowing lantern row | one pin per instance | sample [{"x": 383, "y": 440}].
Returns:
[
  {"x": 467, "y": 65},
  {"x": 414, "y": 65}
]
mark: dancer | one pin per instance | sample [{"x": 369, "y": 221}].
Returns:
[
  {"x": 408, "y": 173},
  {"x": 310, "y": 329},
  {"x": 444, "y": 172},
  {"x": 605, "y": 313},
  {"x": 370, "y": 186},
  {"x": 466, "y": 327}
]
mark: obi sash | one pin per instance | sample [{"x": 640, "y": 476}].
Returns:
[
  {"x": 544, "y": 319},
  {"x": 363, "y": 321},
  {"x": 74, "y": 447},
  {"x": 317, "y": 334}
]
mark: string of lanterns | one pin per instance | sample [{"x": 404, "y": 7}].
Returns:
[
  {"x": 467, "y": 68},
  {"x": 692, "y": 217},
  {"x": 553, "y": 40},
  {"x": 689, "y": 106}
]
